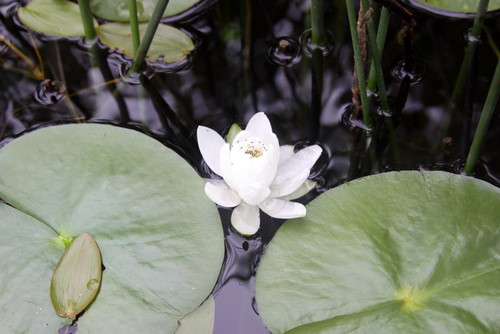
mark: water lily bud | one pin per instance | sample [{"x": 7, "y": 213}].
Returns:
[{"x": 77, "y": 277}]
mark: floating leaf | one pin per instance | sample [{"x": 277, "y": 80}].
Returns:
[
  {"x": 401, "y": 252},
  {"x": 169, "y": 44},
  {"x": 77, "y": 277},
  {"x": 160, "y": 237},
  {"x": 53, "y": 17},
  {"x": 118, "y": 10},
  {"x": 456, "y": 6},
  {"x": 200, "y": 321}
]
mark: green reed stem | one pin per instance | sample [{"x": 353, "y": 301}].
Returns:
[
  {"x": 358, "y": 62},
  {"x": 147, "y": 39},
  {"x": 383, "y": 25},
  {"x": 87, "y": 20},
  {"x": 469, "y": 55},
  {"x": 317, "y": 22},
  {"x": 134, "y": 25},
  {"x": 376, "y": 62},
  {"x": 484, "y": 121}
]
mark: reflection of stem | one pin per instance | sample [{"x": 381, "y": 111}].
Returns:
[
  {"x": 484, "y": 121},
  {"x": 35, "y": 72},
  {"x": 134, "y": 25},
  {"x": 67, "y": 99},
  {"x": 102, "y": 84},
  {"x": 317, "y": 22},
  {"x": 316, "y": 92},
  {"x": 491, "y": 42},
  {"x": 147, "y": 39},
  {"x": 38, "y": 56}
]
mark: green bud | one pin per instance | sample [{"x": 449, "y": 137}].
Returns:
[
  {"x": 233, "y": 131},
  {"x": 77, "y": 277}
]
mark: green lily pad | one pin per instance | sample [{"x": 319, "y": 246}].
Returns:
[
  {"x": 169, "y": 44},
  {"x": 135, "y": 196},
  {"x": 401, "y": 252},
  {"x": 457, "y": 6},
  {"x": 53, "y": 17},
  {"x": 118, "y": 10}
]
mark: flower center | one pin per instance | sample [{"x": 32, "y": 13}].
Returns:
[{"x": 253, "y": 147}]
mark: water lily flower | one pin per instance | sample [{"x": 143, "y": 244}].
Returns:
[{"x": 256, "y": 173}]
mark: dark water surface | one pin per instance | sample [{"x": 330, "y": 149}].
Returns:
[{"x": 238, "y": 70}]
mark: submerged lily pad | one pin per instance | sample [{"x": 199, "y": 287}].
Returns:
[
  {"x": 118, "y": 10},
  {"x": 53, "y": 17},
  {"x": 453, "y": 6},
  {"x": 200, "y": 321},
  {"x": 401, "y": 252},
  {"x": 169, "y": 44},
  {"x": 162, "y": 256}
]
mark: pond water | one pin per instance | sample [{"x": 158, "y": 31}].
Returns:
[{"x": 238, "y": 70}]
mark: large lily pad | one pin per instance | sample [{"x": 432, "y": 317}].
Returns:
[
  {"x": 453, "y": 6},
  {"x": 169, "y": 44},
  {"x": 162, "y": 254},
  {"x": 118, "y": 10},
  {"x": 401, "y": 252},
  {"x": 53, "y": 17}
]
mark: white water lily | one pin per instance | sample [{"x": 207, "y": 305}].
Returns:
[{"x": 256, "y": 173}]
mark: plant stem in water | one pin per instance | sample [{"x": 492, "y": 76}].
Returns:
[
  {"x": 134, "y": 25},
  {"x": 484, "y": 121},
  {"x": 317, "y": 22},
  {"x": 376, "y": 61},
  {"x": 468, "y": 58},
  {"x": 381, "y": 35},
  {"x": 358, "y": 62},
  {"x": 87, "y": 20},
  {"x": 147, "y": 39}
]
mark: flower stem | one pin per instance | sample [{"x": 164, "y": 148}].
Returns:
[
  {"x": 484, "y": 121},
  {"x": 87, "y": 20},
  {"x": 134, "y": 25},
  {"x": 147, "y": 39},
  {"x": 317, "y": 22},
  {"x": 358, "y": 62}
]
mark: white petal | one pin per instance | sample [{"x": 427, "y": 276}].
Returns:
[
  {"x": 255, "y": 193},
  {"x": 210, "y": 144},
  {"x": 246, "y": 219},
  {"x": 279, "y": 208},
  {"x": 286, "y": 151},
  {"x": 301, "y": 191},
  {"x": 259, "y": 125},
  {"x": 303, "y": 159},
  {"x": 242, "y": 135},
  {"x": 222, "y": 195},
  {"x": 288, "y": 186}
]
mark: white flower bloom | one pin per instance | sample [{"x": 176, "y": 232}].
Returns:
[{"x": 257, "y": 173}]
